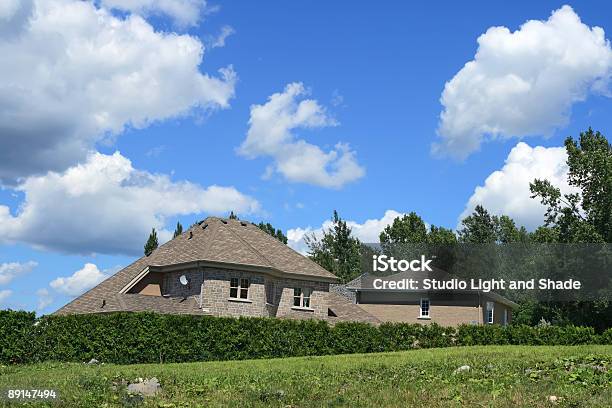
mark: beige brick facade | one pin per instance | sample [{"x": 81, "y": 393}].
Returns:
[
  {"x": 267, "y": 296},
  {"x": 445, "y": 310}
]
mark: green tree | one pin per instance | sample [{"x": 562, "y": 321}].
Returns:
[
  {"x": 483, "y": 228},
  {"x": 276, "y": 233},
  {"x": 337, "y": 251},
  {"x": 151, "y": 244},
  {"x": 507, "y": 232},
  {"x": 408, "y": 229},
  {"x": 544, "y": 235},
  {"x": 233, "y": 216},
  {"x": 178, "y": 230},
  {"x": 441, "y": 236},
  {"x": 408, "y": 237},
  {"x": 411, "y": 229},
  {"x": 479, "y": 228},
  {"x": 584, "y": 216}
]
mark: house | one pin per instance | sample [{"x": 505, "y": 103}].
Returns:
[
  {"x": 225, "y": 267},
  {"x": 444, "y": 307},
  {"x": 218, "y": 267}
]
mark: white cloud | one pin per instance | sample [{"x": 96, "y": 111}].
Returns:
[
  {"x": 11, "y": 270},
  {"x": 219, "y": 41},
  {"x": 271, "y": 133},
  {"x": 73, "y": 75},
  {"x": 523, "y": 83},
  {"x": 506, "y": 191},
  {"x": 107, "y": 206},
  {"x": 367, "y": 232},
  {"x": 80, "y": 281},
  {"x": 5, "y": 294},
  {"x": 8, "y": 8},
  {"x": 44, "y": 299},
  {"x": 183, "y": 12}
]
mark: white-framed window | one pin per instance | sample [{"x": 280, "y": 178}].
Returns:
[
  {"x": 424, "y": 309},
  {"x": 490, "y": 312},
  {"x": 239, "y": 288},
  {"x": 301, "y": 297}
]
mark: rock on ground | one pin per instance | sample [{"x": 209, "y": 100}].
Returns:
[{"x": 147, "y": 387}]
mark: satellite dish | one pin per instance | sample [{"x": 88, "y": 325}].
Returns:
[{"x": 183, "y": 279}]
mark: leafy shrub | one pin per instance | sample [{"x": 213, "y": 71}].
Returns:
[
  {"x": 126, "y": 338},
  {"x": 15, "y": 338}
]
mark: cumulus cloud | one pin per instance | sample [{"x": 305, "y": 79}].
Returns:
[
  {"x": 271, "y": 133},
  {"x": 367, "y": 232},
  {"x": 44, "y": 299},
  {"x": 73, "y": 75},
  {"x": 80, "y": 281},
  {"x": 184, "y": 12},
  {"x": 5, "y": 294},
  {"x": 107, "y": 206},
  {"x": 506, "y": 191},
  {"x": 11, "y": 270},
  {"x": 524, "y": 82}
]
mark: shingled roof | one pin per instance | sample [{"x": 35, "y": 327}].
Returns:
[{"x": 214, "y": 241}]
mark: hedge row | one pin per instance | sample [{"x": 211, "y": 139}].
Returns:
[{"x": 126, "y": 338}]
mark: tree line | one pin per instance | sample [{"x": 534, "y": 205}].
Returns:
[{"x": 577, "y": 218}]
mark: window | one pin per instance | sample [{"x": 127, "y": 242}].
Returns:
[
  {"x": 424, "y": 308},
  {"x": 239, "y": 288},
  {"x": 270, "y": 293},
  {"x": 301, "y": 297},
  {"x": 490, "y": 307}
]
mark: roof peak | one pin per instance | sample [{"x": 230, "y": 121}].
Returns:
[{"x": 225, "y": 220}]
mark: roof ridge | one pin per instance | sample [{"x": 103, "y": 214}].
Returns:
[
  {"x": 251, "y": 246},
  {"x": 212, "y": 238}
]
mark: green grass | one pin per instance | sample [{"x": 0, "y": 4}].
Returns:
[{"x": 501, "y": 376}]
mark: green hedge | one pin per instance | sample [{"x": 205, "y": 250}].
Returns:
[
  {"x": 16, "y": 336},
  {"x": 127, "y": 338}
]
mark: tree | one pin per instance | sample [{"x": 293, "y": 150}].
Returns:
[
  {"x": 441, "y": 236},
  {"x": 483, "y": 228},
  {"x": 544, "y": 235},
  {"x": 408, "y": 237},
  {"x": 408, "y": 229},
  {"x": 479, "y": 227},
  {"x": 151, "y": 244},
  {"x": 178, "y": 230},
  {"x": 337, "y": 251},
  {"x": 276, "y": 233},
  {"x": 233, "y": 216},
  {"x": 507, "y": 232},
  {"x": 584, "y": 216}
]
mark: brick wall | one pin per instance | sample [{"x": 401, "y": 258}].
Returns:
[
  {"x": 319, "y": 299},
  {"x": 214, "y": 283},
  {"x": 216, "y": 293},
  {"x": 409, "y": 313}
]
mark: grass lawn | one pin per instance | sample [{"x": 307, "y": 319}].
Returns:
[{"x": 500, "y": 376}]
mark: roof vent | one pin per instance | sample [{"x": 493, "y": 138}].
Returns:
[
  {"x": 204, "y": 226},
  {"x": 243, "y": 223},
  {"x": 190, "y": 234},
  {"x": 224, "y": 221}
]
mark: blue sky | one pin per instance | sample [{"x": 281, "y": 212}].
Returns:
[{"x": 369, "y": 76}]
